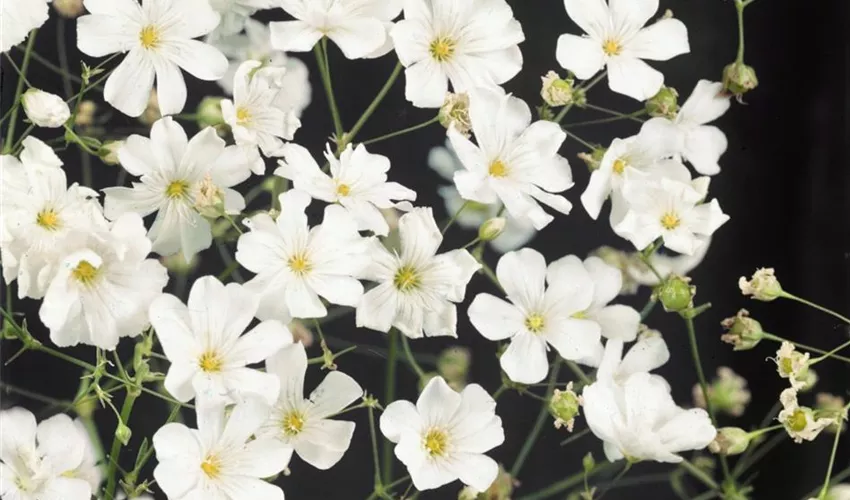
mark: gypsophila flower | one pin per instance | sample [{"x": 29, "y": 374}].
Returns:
[
  {"x": 158, "y": 38},
  {"x": 730, "y": 441},
  {"x": 40, "y": 462},
  {"x": 205, "y": 343},
  {"x": 304, "y": 424},
  {"x": 742, "y": 331},
  {"x": 728, "y": 393},
  {"x": 357, "y": 181},
  {"x": 296, "y": 264},
  {"x": 235, "y": 13},
  {"x": 515, "y": 161},
  {"x": 792, "y": 364},
  {"x": 648, "y": 353},
  {"x": 417, "y": 288},
  {"x": 762, "y": 286},
  {"x": 45, "y": 109},
  {"x": 800, "y": 421},
  {"x": 172, "y": 169},
  {"x": 470, "y": 44},
  {"x": 223, "y": 458},
  {"x": 445, "y": 435},
  {"x": 564, "y": 406},
  {"x": 358, "y": 27},
  {"x": 455, "y": 113},
  {"x": 556, "y": 91},
  {"x": 617, "y": 40},
  {"x": 17, "y": 19}
]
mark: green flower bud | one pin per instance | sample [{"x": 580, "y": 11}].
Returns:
[
  {"x": 676, "y": 294},
  {"x": 209, "y": 112},
  {"x": 738, "y": 78},
  {"x": 730, "y": 441},
  {"x": 123, "y": 433},
  {"x": 108, "y": 152},
  {"x": 742, "y": 331},
  {"x": 665, "y": 103},
  {"x": 492, "y": 228},
  {"x": 453, "y": 364},
  {"x": 728, "y": 393},
  {"x": 564, "y": 406}
]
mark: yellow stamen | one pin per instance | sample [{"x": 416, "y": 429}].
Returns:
[
  {"x": 210, "y": 362},
  {"x": 612, "y": 47},
  {"x": 535, "y": 322},
  {"x": 48, "y": 219},
  {"x": 211, "y": 466},
  {"x": 299, "y": 264},
  {"x": 243, "y": 115},
  {"x": 292, "y": 423},
  {"x": 177, "y": 189},
  {"x": 85, "y": 273},
  {"x": 442, "y": 49},
  {"x": 619, "y": 166},
  {"x": 406, "y": 279},
  {"x": 343, "y": 189},
  {"x": 435, "y": 442},
  {"x": 670, "y": 221},
  {"x": 149, "y": 37},
  {"x": 498, "y": 169}
]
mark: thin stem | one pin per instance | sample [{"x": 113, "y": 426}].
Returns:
[
  {"x": 578, "y": 139},
  {"x": 13, "y": 118},
  {"x": 501, "y": 390},
  {"x": 490, "y": 274},
  {"x": 647, "y": 309},
  {"x": 576, "y": 369},
  {"x": 411, "y": 359},
  {"x": 739, "y": 7},
  {"x": 622, "y": 116},
  {"x": 575, "y": 437},
  {"x": 758, "y": 432},
  {"x": 111, "y": 472},
  {"x": 401, "y": 132},
  {"x": 56, "y": 69},
  {"x": 699, "y": 474},
  {"x": 9, "y": 388},
  {"x": 375, "y": 459},
  {"x": 454, "y": 217},
  {"x": 748, "y": 461},
  {"x": 373, "y": 105},
  {"x": 20, "y": 73},
  {"x": 389, "y": 396},
  {"x": 614, "y": 481},
  {"x": 632, "y": 116},
  {"x": 560, "y": 116},
  {"x": 830, "y": 353},
  {"x": 776, "y": 338},
  {"x": 538, "y": 424},
  {"x": 825, "y": 488},
  {"x": 844, "y": 474},
  {"x": 321, "y": 51},
  {"x": 565, "y": 484},
  {"x": 63, "y": 57},
  {"x": 819, "y": 308}
]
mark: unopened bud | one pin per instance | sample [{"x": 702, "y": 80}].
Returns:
[
  {"x": 564, "y": 406},
  {"x": 123, "y": 433},
  {"x": 152, "y": 112},
  {"x": 594, "y": 158},
  {"x": 676, "y": 293},
  {"x": 455, "y": 112},
  {"x": 665, "y": 103},
  {"x": 108, "y": 152},
  {"x": 492, "y": 229},
  {"x": 45, "y": 109},
  {"x": 453, "y": 365},
  {"x": 69, "y": 8},
  {"x": 209, "y": 112},
  {"x": 85, "y": 114},
  {"x": 738, "y": 79},
  {"x": 86, "y": 407},
  {"x": 762, "y": 286},
  {"x": 742, "y": 331},
  {"x": 176, "y": 263},
  {"x": 730, "y": 441},
  {"x": 556, "y": 91}
]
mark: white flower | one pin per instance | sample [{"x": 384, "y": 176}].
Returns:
[
  {"x": 638, "y": 420},
  {"x": 616, "y": 39},
  {"x": 45, "y": 109},
  {"x": 445, "y": 435},
  {"x": 172, "y": 169},
  {"x": 295, "y": 264},
  {"x": 648, "y": 353},
  {"x": 103, "y": 286},
  {"x": 357, "y": 181},
  {"x": 303, "y": 423},
  {"x": 515, "y": 161},
  {"x": 235, "y": 13},
  {"x": 358, "y": 27},
  {"x": 473, "y": 43},
  {"x": 205, "y": 343},
  {"x": 17, "y": 19},
  {"x": 220, "y": 460},
  {"x": 38, "y": 211},
  {"x": 800, "y": 422},
  {"x": 517, "y": 232},
  {"x": 670, "y": 210},
  {"x": 762, "y": 286},
  {"x": 416, "y": 290},
  {"x": 37, "y": 462},
  {"x": 698, "y": 143},
  {"x": 158, "y": 36},
  {"x": 256, "y": 114},
  {"x": 792, "y": 364},
  {"x": 839, "y": 492},
  {"x": 89, "y": 470}
]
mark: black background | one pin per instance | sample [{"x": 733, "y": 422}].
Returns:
[{"x": 784, "y": 183}]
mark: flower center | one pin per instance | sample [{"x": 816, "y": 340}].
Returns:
[
  {"x": 85, "y": 273},
  {"x": 149, "y": 37},
  {"x": 442, "y": 49},
  {"x": 406, "y": 279},
  {"x": 786, "y": 366},
  {"x": 48, "y": 219},
  {"x": 670, "y": 221},
  {"x": 343, "y": 189},
  {"x": 299, "y": 264},
  {"x": 243, "y": 115},
  {"x": 292, "y": 423},
  {"x": 210, "y": 362},
  {"x": 211, "y": 466},
  {"x": 797, "y": 421},
  {"x": 435, "y": 442},
  {"x": 612, "y": 47},
  {"x": 177, "y": 189},
  {"x": 498, "y": 169},
  {"x": 535, "y": 322},
  {"x": 619, "y": 166}
]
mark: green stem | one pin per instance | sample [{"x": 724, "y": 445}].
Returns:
[
  {"x": 578, "y": 139},
  {"x": 401, "y": 132},
  {"x": 819, "y": 308},
  {"x": 748, "y": 461},
  {"x": 538, "y": 424},
  {"x": 830, "y": 353},
  {"x": 699, "y": 474},
  {"x": 739, "y": 7},
  {"x": 570, "y": 482},
  {"x": 501, "y": 390},
  {"x": 490, "y": 274},
  {"x": 9, "y": 388},
  {"x": 377, "y": 465},
  {"x": 411, "y": 359},
  {"x": 758, "y": 432},
  {"x": 13, "y": 119},
  {"x": 114, "y": 453},
  {"x": 373, "y": 106},
  {"x": 18, "y": 70},
  {"x": 63, "y": 57},
  {"x": 844, "y": 474},
  {"x": 321, "y": 51},
  {"x": 647, "y": 309},
  {"x": 825, "y": 488},
  {"x": 56, "y": 69},
  {"x": 632, "y": 116},
  {"x": 575, "y": 437},
  {"x": 576, "y": 369},
  {"x": 617, "y": 114},
  {"x": 389, "y": 396},
  {"x": 776, "y": 338},
  {"x": 587, "y": 87},
  {"x": 454, "y": 217}
]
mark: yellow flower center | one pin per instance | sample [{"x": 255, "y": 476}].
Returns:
[
  {"x": 85, "y": 273},
  {"x": 343, "y": 189},
  {"x": 442, "y": 49},
  {"x": 292, "y": 423},
  {"x": 243, "y": 115},
  {"x": 786, "y": 366},
  {"x": 498, "y": 169},
  {"x": 210, "y": 362},
  {"x": 619, "y": 166},
  {"x": 177, "y": 189},
  {"x": 406, "y": 279},
  {"x": 149, "y": 37},
  {"x": 535, "y": 323},
  {"x": 211, "y": 466},
  {"x": 612, "y": 47},
  {"x": 797, "y": 421},
  {"x": 670, "y": 221},
  {"x": 48, "y": 219},
  {"x": 435, "y": 442},
  {"x": 299, "y": 264}
]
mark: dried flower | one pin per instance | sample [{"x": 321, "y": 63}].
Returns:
[
  {"x": 763, "y": 285},
  {"x": 455, "y": 112},
  {"x": 728, "y": 393},
  {"x": 742, "y": 331}
]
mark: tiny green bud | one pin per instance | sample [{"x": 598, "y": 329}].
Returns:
[
  {"x": 743, "y": 332},
  {"x": 738, "y": 79},
  {"x": 556, "y": 91},
  {"x": 730, "y": 441},
  {"x": 108, "y": 152},
  {"x": 676, "y": 294},
  {"x": 85, "y": 407},
  {"x": 492, "y": 228},
  {"x": 453, "y": 365},
  {"x": 665, "y": 103},
  {"x": 588, "y": 463},
  {"x": 564, "y": 406},
  {"x": 209, "y": 112},
  {"x": 123, "y": 433}
]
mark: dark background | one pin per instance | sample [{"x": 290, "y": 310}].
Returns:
[{"x": 784, "y": 183}]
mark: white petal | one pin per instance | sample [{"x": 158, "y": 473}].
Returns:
[
  {"x": 246, "y": 383},
  {"x": 633, "y": 77},
  {"x": 618, "y": 322},
  {"x": 524, "y": 360},
  {"x": 101, "y": 35},
  {"x": 597, "y": 191},
  {"x": 289, "y": 365},
  {"x": 398, "y": 418},
  {"x": 129, "y": 86},
  {"x": 706, "y": 103},
  {"x": 262, "y": 458},
  {"x": 494, "y": 318},
  {"x": 334, "y": 394},
  {"x": 222, "y": 312},
  {"x": 358, "y": 37},
  {"x": 659, "y": 41},
  {"x": 420, "y": 236},
  {"x": 478, "y": 471},
  {"x": 199, "y": 59},
  {"x": 60, "y": 443},
  {"x": 175, "y": 441},
  {"x": 583, "y": 56},
  {"x": 522, "y": 274},
  {"x": 437, "y": 403},
  {"x": 170, "y": 86},
  {"x": 410, "y": 39},
  {"x": 248, "y": 487},
  {"x": 590, "y": 15},
  {"x": 607, "y": 280},
  {"x": 627, "y": 16},
  {"x": 574, "y": 339},
  {"x": 244, "y": 421},
  {"x": 62, "y": 488},
  {"x": 426, "y": 84},
  {"x": 689, "y": 430},
  {"x": 703, "y": 148},
  {"x": 646, "y": 355},
  {"x": 260, "y": 343},
  {"x": 377, "y": 308},
  {"x": 294, "y": 36},
  {"x": 324, "y": 443}
]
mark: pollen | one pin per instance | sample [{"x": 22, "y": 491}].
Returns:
[
  {"x": 211, "y": 466},
  {"x": 612, "y": 47},
  {"x": 435, "y": 442},
  {"x": 48, "y": 219},
  {"x": 535, "y": 322},
  {"x": 670, "y": 221},
  {"x": 177, "y": 189},
  {"x": 498, "y": 169},
  {"x": 406, "y": 279},
  {"x": 299, "y": 264},
  {"x": 292, "y": 423},
  {"x": 243, "y": 115},
  {"x": 442, "y": 49},
  {"x": 619, "y": 166},
  {"x": 210, "y": 362},
  {"x": 149, "y": 37},
  {"x": 85, "y": 273},
  {"x": 343, "y": 189}
]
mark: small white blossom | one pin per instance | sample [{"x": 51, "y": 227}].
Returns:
[
  {"x": 556, "y": 91},
  {"x": 617, "y": 40},
  {"x": 800, "y": 421},
  {"x": 792, "y": 364},
  {"x": 515, "y": 161},
  {"x": 762, "y": 286},
  {"x": 357, "y": 181},
  {"x": 205, "y": 343},
  {"x": 471, "y": 44},
  {"x": 417, "y": 289},
  {"x": 158, "y": 37},
  {"x": 296, "y": 264},
  {"x": 304, "y": 424},
  {"x": 648, "y": 353},
  {"x": 17, "y": 19},
  {"x": 221, "y": 459},
  {"x": 45, "y": 109},
  {"x": 444, "y": 436},
  {"x": 235, "y": 13}
]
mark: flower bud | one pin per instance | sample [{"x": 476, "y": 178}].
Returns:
[
  {"x": 492, "y": 228},
  {"x": 730, "y": 441},
  {"x": 664, "y": 104},
  {"x": 301, "y": 333},
  {"x": 728, "y": 393},
  {"x": 556, "y": 91},
  {"x": 594, "y": 158},
  {"x": 676, "y": 293},
  {"x": 455, "y": 112},
  {"x": 742, "y": 331},
  {"x": 108, "y": 152},
  {"x": 453, "y": 365},
  {"x": 85, "y": 114},
  {"x": 176, "y": 263},
  {"x": 151, "y": 113},
  {"x": 44, "y": 109},
  {"x": 123, "y": 433},
  {"x": 564, "y": 406},
  {"x": 69, "y": 8},
  {"x": 762, "y": 286},
  {"x": 809, "y": 379},
  {"x": 738, "y": 78},
  {"x": 209, "y": 112},
  {"x": 86, "y": 407}
]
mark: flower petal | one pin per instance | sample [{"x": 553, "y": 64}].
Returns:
[
  {"x": 437, "y": 403},
  {"x": 659, "y": 41},
  {"x": 128, "y": 88},
  {"x": 322, "y": 444},
  {"x": 632, "y": 77},
  {"x": 334, "y": 394},
  {"x": 494, "y": 318},
  {"x": 524, "y": 360},
  {"x": 398, "y": 418},
  {"x": 522, "y": 274},
  {"x": 583, "y": 56}
]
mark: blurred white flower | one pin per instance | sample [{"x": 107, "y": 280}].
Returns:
[
  {"x": 45, "y": 109},
  {"x": 235, "y": 13},
  {"x": 17, "y": 19},
  {"x": 91, "y": 469},
  {"x": 445, "y": 435}
]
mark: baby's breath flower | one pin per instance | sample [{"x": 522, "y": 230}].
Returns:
[
  {"x": 556, "y": 91},
  {"x": 728, "y": 393},
  {"x": 742, "y": 331},
  {"x": 564, "y": 406},
  {"x": 455, "y": 111},
  {"x": 800, "y": 421},
  {"x": 762, "y": 286},
  {"x": 792, "y": 364}
]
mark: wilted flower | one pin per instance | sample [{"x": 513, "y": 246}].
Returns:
[
  {"x": 800, "y": 421},
  {"x": 455, "y": 111},
  {"x": 829, "y": 405},
  {"x": 665, "y": 103},
  {"x": 763, "y": 285},
  {"x": 209, "y": 201},
  {"x": 45, "y": 109},
  {"x": 742, "y": 331},
  {"x": 556, "y": 91},
  {"x": 564, "y": 406},
  {"x": 792, "y": 364},
  {"x": 728, "y": 393},
  {"x": 85, "y": 114},
  {"x": 738, "y": 79},
  {"x": 69, "y": 8}
]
